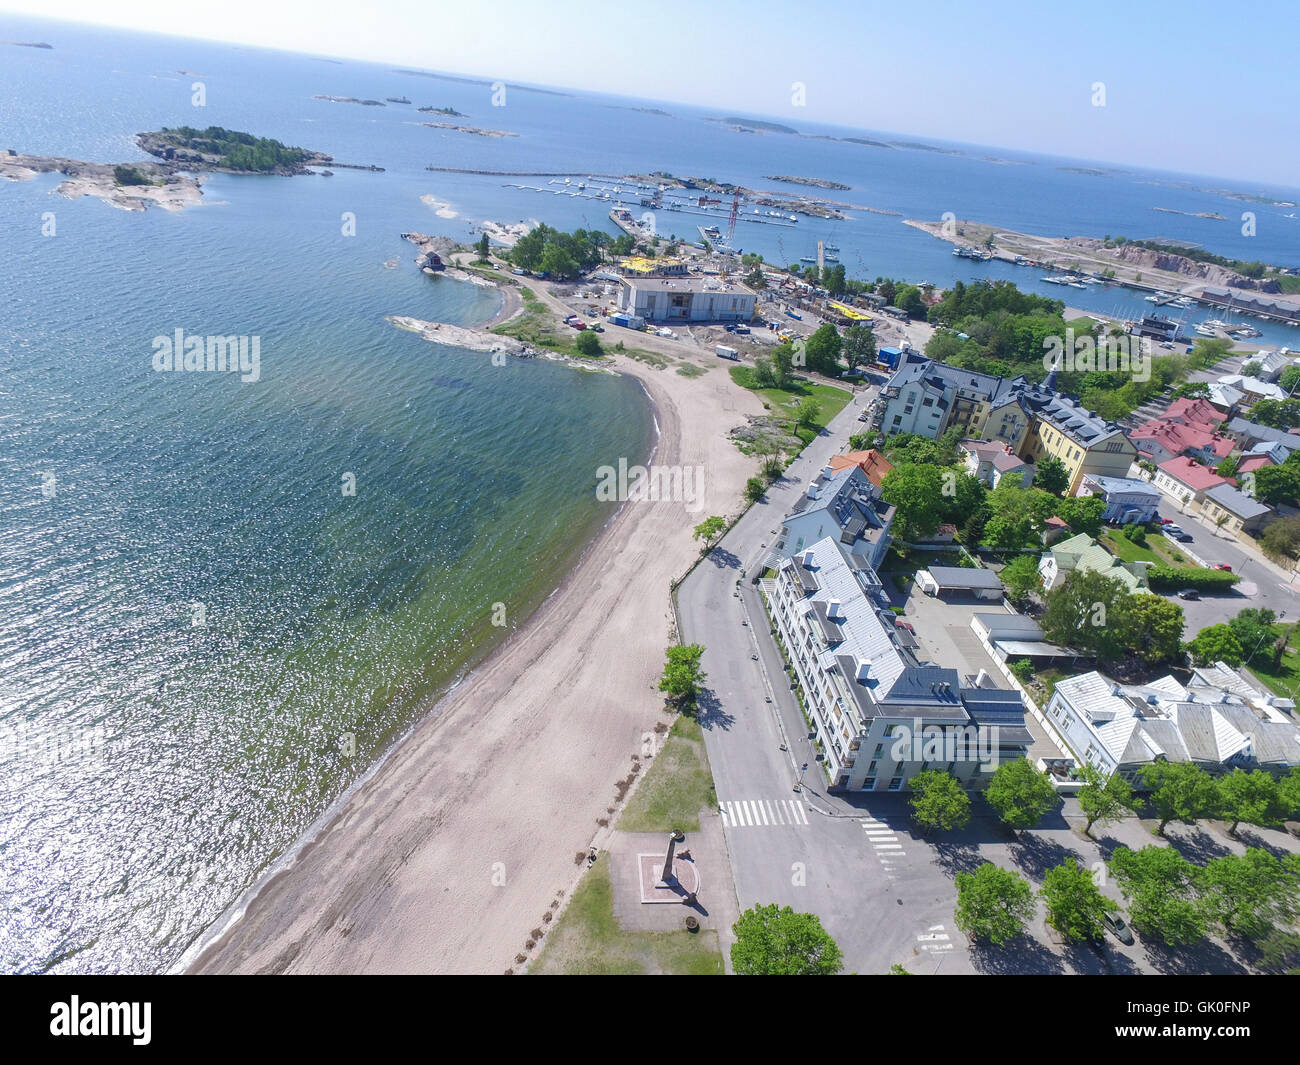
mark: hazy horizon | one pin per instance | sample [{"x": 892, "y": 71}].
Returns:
[{"x": 772, "y": 95}]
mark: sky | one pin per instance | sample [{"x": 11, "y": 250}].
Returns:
[{"x": 1183, "y": 85}]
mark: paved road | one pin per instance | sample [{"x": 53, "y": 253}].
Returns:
[
  {"x": 844, "y": 859},
  {"x": 1262, "y": 583}
]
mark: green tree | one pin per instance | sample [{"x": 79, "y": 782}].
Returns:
[
  {"x": 1278, "y": 484},
  {"x": 993, "y": 903},
  {"x": 859, "y": 346},
  {"x": 709, "y": 530},
  {"x": 483, "y": 246},
  {"x": 1228, "y": 467},
  {"x": 1075, "y": 906},
  {"x": 917, "y": 492},
  {"x": 755, "y": 279},
  {"x": 1020, "y": 794},
  {"x": 764, "y": 374},
  {"x": 1162, "y": 889},
  {"x": 1288, "y": 794},
  {"x": 588, "y": 343},
  {"x": 776, "y": 941},
  {"x": 1103, "y": 798},
  {"x": 806, "y": 412},
  {"x": 1180, "y": 791},
  {"x": 1281, "y": 538},
  {"x": 1080, "y": 613},
  {"x": 822, "y": 350},
  {"x": 1052, "y": 476},
  {"x": 1246, "y": 894},
  {"x": 1021, "y": 578},
  {"x": 682, "y": 674},
  {"x": 1082, "y": 514},
  {"x": 908, "y": 298},
  {"x": 1150, "y": 625},
  {"x": 754, "y": 489},
  {"x": 1290, "y": 379},
  {"x": 938, "y": 801},
  {"x": 1250, "y": 797},
  {"x": 1217, "y": 643},
  {"x": 783, "y": 365}
]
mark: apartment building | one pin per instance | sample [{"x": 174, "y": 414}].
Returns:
[
  {"x": 882, "y": 715},
  {"x": 1035, "y": 421},
  {"x": 844, "y": 504}
]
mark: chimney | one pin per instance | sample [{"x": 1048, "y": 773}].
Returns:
[
  {"x": 828, "y": 472},
  {"x": 981, "y": 677},
  {"x": 833, "y": 609},
  {"x": 808, "y": 557},
  {"x": 864, "y": 669}
]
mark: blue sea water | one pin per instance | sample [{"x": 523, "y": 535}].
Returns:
[{"x": 152, "y": 767}]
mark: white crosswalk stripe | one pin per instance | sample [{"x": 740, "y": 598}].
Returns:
[
  {"x": 883, "y": 839},
  {"x": 936, "y": 940},
  {"x": 762, "y": 813}
]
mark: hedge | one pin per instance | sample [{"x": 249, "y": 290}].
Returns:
[{"x": 1203, "y": 580}]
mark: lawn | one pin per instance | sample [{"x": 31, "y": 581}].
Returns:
[
  {"x": 1285, "y": 680},
  {"x": 536, "y": 325},
  {"x": 587, "y": 940},
  {"x": 676, "y": 786},
  {"x": 1158, "y": 550},
  {"x": 782, "y": 401}
]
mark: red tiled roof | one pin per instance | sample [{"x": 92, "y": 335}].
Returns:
[
  {"x": 1255, "y": 462},
  {"x": 1177, "y": 437},
  {"x": 1192, "y": 474},
  {"x": 871, "y": 462}
]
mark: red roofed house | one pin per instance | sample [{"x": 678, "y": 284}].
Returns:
[
  {"x": 1187, "y": 481},
  {"x": 1254, "y": 462},
  {"x": 1189, "y": 427},
  {"x": 871, "y": 462}
]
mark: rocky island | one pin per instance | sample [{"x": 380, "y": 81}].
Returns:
[
  {"x": 349, "y": 100},
  {"x": 817, "y": 183},
  {"x": 175, "y": 180},
  {"x": 450, "y": 112}
]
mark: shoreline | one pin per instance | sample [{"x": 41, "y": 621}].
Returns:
[{"x": 509, "y": 768}]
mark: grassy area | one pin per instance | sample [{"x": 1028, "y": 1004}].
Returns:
[
  {"x": 650, "y": 358},
  {"x": 676, "y": 786},
  {"x": 1158, "y": 549},
  {"x": 587, "y": 940},
  {"x": 1285, "y": 680},
  {"x": 689, "y": 369},
  {"x": 1044, "y": 684},
  {"x": 536, "y": 325},
  {"x": 782, "y": 401}
]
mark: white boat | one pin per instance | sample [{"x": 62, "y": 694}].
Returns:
[{"x": 1205, "y": 329}]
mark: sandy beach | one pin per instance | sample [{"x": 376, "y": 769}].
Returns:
[{"x": 452, "y": 850}]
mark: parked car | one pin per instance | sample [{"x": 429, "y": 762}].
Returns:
[
  {"x": 906, "y": 625},
  {"x": 578, "y": 324},
  {"x": 1223, "y": 566},
  {"x": 1175, "y": 532},
  {"x": 1189, "y": 593},
  {"x": 1118, "y": 927}
]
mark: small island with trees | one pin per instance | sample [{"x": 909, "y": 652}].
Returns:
[{"x": 174, "y": 178}]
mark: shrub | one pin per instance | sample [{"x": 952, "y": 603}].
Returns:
[
  {"x": 1022, "y": 669},
  {"x": 1203, "y": 580},
  {"x": 1136, "y": 533},
  {"x": 754, "y": 489}
]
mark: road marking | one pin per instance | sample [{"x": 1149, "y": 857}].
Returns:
[
  {"x": 936, "y": 940},
  {"x": 761, "y": 813}
]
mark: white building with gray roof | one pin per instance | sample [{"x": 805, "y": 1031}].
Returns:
[
  {"x": 881, "y": 714},
  {"x": 1218, "y": 720}
]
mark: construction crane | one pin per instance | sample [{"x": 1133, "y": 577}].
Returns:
[{"x": 731, "y": 233}]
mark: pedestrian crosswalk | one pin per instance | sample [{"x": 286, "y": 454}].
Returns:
[
  {"x": 935, "y": 940},
  {"x": 760, "y": 813},
  {"x": 884, "y": 840}
]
